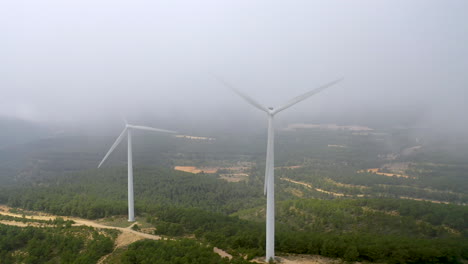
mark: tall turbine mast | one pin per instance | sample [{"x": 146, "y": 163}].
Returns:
[
  {"x": 269, "y": 187},
  {"x": 128, "y": 129}
]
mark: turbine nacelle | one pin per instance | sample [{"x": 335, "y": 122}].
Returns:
[{"x": 271, "y": 111}]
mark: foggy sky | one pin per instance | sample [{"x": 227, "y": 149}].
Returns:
[{"x": 78, "y": 60}]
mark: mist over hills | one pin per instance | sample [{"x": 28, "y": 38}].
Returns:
[
  {"x": 372, "y": 170},
  {"x": 18, "y": 131},
  {"x": 357, "y": 187}
]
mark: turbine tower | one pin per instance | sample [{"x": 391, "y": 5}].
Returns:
[
  {"x": 128, "y": 130},
  {"x": 269, "y": 187}
]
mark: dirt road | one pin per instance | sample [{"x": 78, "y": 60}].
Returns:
[
  {"x": 5, "y": 210},
  {"x": 128, "y": 236}
]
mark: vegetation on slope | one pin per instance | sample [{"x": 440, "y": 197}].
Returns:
[
  {"x": 230, "y": 215},
  {"x": 53, "y": 244},
  {"x": 172, "y": 252},
  {"x": 392, "y": 231}
]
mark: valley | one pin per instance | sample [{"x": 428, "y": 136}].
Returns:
[{"x": 330, "y": 206}]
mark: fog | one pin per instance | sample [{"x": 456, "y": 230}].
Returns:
[{"x": 88, "y": 62}]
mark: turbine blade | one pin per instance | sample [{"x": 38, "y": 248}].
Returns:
[
  {"x": 305, "y": 96},
  {"x": 251, "y": 101},
  {"x": 152, "y": 129},
  {"x": 247, "y": 98},
  {"x": 117, "y": 141}
]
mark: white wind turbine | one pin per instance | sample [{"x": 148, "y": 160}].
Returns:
[
  {"x": 128, "y": 129},
  {"x": 269, "y": 187}
]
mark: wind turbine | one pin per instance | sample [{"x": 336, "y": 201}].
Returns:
[
  {"x": 269, "y": 187},
  {"x": 128, "y": 130}
]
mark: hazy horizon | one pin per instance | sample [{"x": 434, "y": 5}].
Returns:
[{"x": 83, "y": 62}]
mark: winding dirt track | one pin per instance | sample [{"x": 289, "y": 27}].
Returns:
[
  {"x": 125, "y": 238},
  {"x": 4, "y": 210},
  {"x": 128, "y": 236}
]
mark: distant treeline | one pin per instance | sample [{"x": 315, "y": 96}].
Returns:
[
  {"x": 377, "y": 230},
  {"x": 49, "y": 176},
  {"x": 173, "y": 252},
  {"x": 101, "y": 193},
  {"x": 178, "y": 203}
]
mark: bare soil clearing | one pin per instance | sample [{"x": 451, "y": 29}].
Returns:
[
  {"x": 195, "y": 138},
  {"x": 129, "y": 236},
  {"x": 346, "y": 185},
  {"x": 230, "y": 174},
  {"x": 318, "y": 189},
  {"x": 209, "y": 170},
  {"x": 234, "y": 177},
  {"x": 126, "y": 237},
  {"x": 13, "y": 223},
  {"x": 294, "y": 127},
  {"x": 222, "y": 253},
  {"x": 297, "y": 182},
  {"x": 190, "y": 169},
  {"x": 377, "y": 171},
  {"x": 4, "y": 210},
  {"x": 425, "y": 200},
  {"x": 301, "y": 259},
  {"x": 398, "y": 167},
  {"x": 290, "y": 167},
  {"x": 336, "y": 146}
]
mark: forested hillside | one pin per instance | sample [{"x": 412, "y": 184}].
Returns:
[
  {"x": 54, "y": 244},
  {"x": 339, "y": 194}
]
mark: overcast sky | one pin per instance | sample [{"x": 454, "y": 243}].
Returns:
[{"x": 73, "y": 60}]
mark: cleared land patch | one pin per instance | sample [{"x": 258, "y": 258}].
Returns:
[
  {"x": 14, "y": 223},
  {"x": 229, "y": 174},
  {"x": 307, "y": 185},
  {"x": 234, "y": 177},
  {"x": 424, "y": 200},
  {"x": 336, "y": 146},
  {"x": 300, "y": 259},
  {"x": 290, "y": 167},
  {"x": 125, "y": 238},
  {"x": 294, "y": 127},
  {"x": 346, "y": 185},
  {"x": 377, "y": 171},
  {"x": 195, "y": 137},
  {"x": 78, "y": 222},
  {"x": 297, "y": 182},
  {"x": 195, "y": 170}
]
